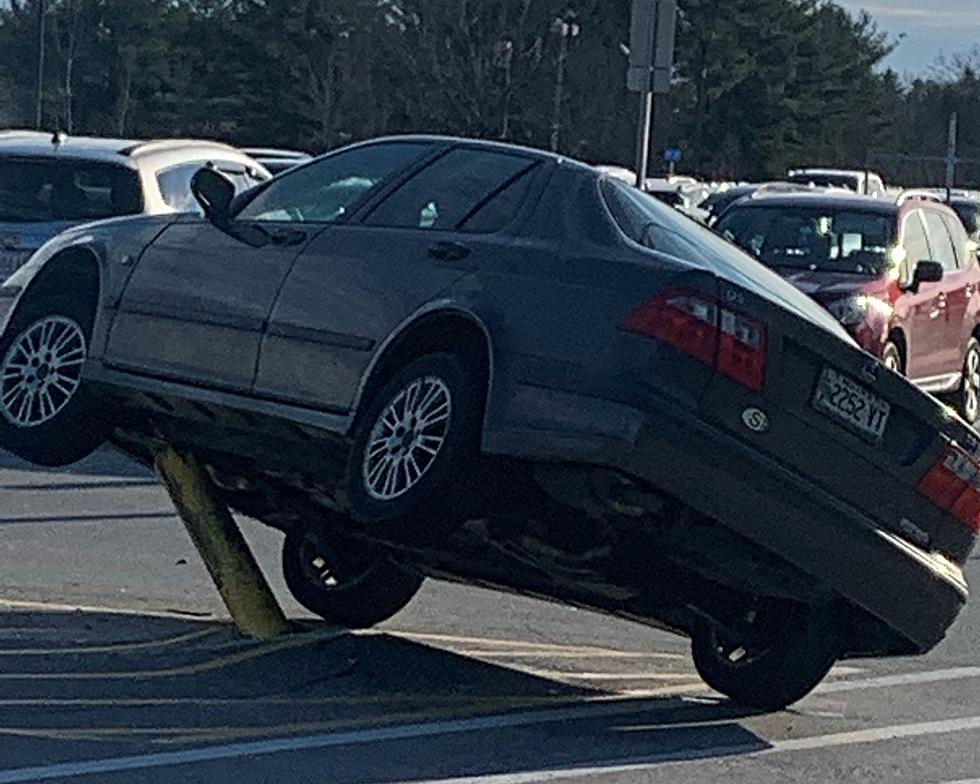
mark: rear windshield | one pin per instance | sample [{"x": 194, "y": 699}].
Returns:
[
  {"x": 814, "y": 238},
  {"x": 826, "y": 180},
  {"x": 41, "y": 190}
]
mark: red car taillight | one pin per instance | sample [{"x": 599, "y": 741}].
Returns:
[
  {"x": 953, "y": 484},
  {"x": 700, "y": 326}
]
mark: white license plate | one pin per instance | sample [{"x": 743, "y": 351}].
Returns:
[
  {"x": 847, "y": 401},
  {"x": 11, "y": 261}
]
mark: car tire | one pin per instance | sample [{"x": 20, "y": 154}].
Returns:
[
  {"x": 346, "y": 582},
  {"x": 891, "y": 358},
  {"x": 48, "y": 414},
  {"x": 414, "y": 449},
  {"x": 770, "y": 666},
  {"x": 968, "y": 395}
]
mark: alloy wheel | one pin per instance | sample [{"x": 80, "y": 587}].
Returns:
[
  {"x": 407, "y": 438},
  {"x": 42, "y": 371},
  {"x": 971, "y": 385}
]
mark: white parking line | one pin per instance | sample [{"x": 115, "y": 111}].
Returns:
[
  {"x": 525, "y": 719},
  {"x": 905, "y": 679}
]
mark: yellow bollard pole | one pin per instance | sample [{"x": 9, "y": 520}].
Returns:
[{"x": 222, "y": 546}]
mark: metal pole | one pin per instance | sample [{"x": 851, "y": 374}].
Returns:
[
  {"x": 951, "y": 155},
  {"x": 559, "y": 88},
  {"x": 643, "y": 139},
  {"x": 39, "y": 106}
]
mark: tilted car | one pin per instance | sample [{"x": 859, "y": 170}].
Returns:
[
  {"x": 426, "y": 356},
  {"x": 901, "y": 275},
  {"x": 51, "y": 182}
]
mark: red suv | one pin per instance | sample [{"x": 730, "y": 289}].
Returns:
[{"x": 902, "y": 276}]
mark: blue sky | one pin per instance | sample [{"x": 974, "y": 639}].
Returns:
[{"x": 931, "y": 27}]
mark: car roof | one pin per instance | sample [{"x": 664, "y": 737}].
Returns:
[
  {"x": 831, "y": 172},
  {"x": 109, "y": 150},
  {"x": 825, "y": 198},
  {"x": 271, "y": 152}
]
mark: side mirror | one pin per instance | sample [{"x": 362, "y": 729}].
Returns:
[
  {"x": 214, "y": 192},
  {"x": 926, "y": 272}
]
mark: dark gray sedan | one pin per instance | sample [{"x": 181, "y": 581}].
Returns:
[{"x": 427, "y": 356}]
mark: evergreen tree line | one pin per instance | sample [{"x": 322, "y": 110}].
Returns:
[{"x": 760, "y": 85}]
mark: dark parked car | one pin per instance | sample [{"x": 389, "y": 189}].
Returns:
[
  {"x": 968, "y": 211},
  {"x": 902, "y": 277},
  {"x": 427, "y": 356}
]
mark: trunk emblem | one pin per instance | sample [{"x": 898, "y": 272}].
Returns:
[
  {"x": 870, "y": 371},
  {"x": 755, "y": 420}
]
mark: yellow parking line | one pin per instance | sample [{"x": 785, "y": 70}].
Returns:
[
  {"x": 217, "y": 663},
  {"x": 573, "y": 654},
  {"x": 23, "y": 604},
  {"x": 519, "y": 645},
  {"x": 112, "y": 648}
]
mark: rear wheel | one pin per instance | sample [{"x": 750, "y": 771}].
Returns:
[
  {"x": 48, "y": 415},
  {"x": 968, "y": 395},
  {"x": 345, "y": 581},
  {"x": 891, "y": 358},
  {"x": 769, "y": 659}
]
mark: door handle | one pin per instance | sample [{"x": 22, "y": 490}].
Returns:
[
  {"x": 449, "y": 251},
  {"x": 287, "y": 236},
  {"x": 941, "y": 299}
]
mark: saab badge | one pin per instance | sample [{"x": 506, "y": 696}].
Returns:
[{"x": 755, "y": 420}]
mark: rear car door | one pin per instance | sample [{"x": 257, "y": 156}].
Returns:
[
  {"x": 923, "y": 310},
  {"x": 952, "y": 296},
  {"x": 359, "y": 281},
  {"x": 197, "y": 305},
  {"x": 959, "y": 286}
]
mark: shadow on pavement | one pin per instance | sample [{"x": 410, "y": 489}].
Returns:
[
  {"x": 105, "y": 462},
  {"x": 82, "y": 686}
]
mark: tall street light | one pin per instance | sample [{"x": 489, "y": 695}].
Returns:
[
  {"x": 39, "y": 106},
  {"x": 566, "y": 27}
]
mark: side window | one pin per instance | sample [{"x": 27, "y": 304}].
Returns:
[
  {"x": 960, "y": 240},
  {"x": 175, "y": 186},
  {"x": 940, "y": 241},
  {"x": 452, "y": 192},
  {"x": 915, "y": 242},
  {"x": 325, "y": 191}
]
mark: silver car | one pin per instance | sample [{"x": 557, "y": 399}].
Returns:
[{"x": 49, "y": 183}]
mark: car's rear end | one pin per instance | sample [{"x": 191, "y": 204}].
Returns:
[{"x": 807, "y": 446}]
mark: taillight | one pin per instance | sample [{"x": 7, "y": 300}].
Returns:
[
  {"x": 953, "y": 484},
  {"x": 700, "y": 326}
]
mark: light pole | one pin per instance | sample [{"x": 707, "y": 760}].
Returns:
[
  {"x": 39, "y": 106},
  {"x": 566, "y": 27}
]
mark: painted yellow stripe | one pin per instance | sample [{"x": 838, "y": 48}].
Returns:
[
  {"x": 123, "y": 647},
  {"x": 517, "y": 645}
]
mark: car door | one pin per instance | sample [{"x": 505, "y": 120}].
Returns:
[
  {"x": 924, "y": 310},
  {"x": 197, "y": 304},
  {"x": 952, "y": 296},
  {"x": 356, "y": 283},
  {"x": 961, "y": 286}
]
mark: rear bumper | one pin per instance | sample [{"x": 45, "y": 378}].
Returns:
[{"x": 916, "y": 593}]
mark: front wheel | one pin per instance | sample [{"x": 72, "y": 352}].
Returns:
[
  {"x": 968, "y": 395},
  {"x": 48, "y": 416},
  {"x": 345, "y": 581},
  {"x": 769, "y": 659}
]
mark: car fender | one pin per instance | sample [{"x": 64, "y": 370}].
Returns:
[{"x": 115, "y": 244}]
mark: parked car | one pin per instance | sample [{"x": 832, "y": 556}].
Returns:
[
  {"x": 968, "y": 210},
  {"x": 719, "y": 201},
  {"x": 429, "y": 356},
  {"x": 901, "y": 276},
  {"x": 864, "y": 182},
  {"x": 49, "y": 183},
  {"x": 276, "y": 160}
]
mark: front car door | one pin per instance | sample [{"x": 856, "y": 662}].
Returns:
[
  {"x": 923, "y": 310},
  {"x": 357, "y": 282},
  {"x": 961, "y": 288}
]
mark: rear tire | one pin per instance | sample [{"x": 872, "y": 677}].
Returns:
[
  {"x": 48, "y": 414},
  {"x": 770, "y": 663},
  {"x": 968, "y": 395},
  {"x": 344, "y": 581}
]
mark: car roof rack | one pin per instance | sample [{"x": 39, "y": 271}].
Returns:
[{"x": 919, "y": 195}]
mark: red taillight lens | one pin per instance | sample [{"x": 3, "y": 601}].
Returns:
[
  {"x": 953, "y": 484},
  {"x": 698, "y": 325}
]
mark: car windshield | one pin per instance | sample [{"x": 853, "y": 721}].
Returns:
[
  {"x": 814, "y": 238},
  {"x": 969, "y": 214},
  {"x": 43, "y": 190}
]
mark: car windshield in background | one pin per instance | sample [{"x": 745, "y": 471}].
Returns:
[
  {"x": 826, "y": 180},
  {"x": 815, "y": 238},
  {"x": 42, "y": 190}
]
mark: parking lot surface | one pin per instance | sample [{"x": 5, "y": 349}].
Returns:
[{"x": 117, "y": 664}]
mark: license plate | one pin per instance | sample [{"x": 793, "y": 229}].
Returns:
[
  {"x": 844, "y": 399},
  {"x": 11, "y": 261}
]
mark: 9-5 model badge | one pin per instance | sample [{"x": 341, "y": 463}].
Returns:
[{"x": 755, "y": 420}]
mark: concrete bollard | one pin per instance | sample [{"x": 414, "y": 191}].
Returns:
[{"x": 220, "y": 542}]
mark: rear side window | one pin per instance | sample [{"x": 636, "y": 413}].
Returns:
[
  {"x": 39, "y": 190},
  {"x": 471, "y": 190},
  {"x": 940, "y": 241}
]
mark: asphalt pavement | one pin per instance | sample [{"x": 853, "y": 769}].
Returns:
[{"x": 118, "y": 664}]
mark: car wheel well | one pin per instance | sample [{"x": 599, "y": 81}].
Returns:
[
  {"x": 453, "y": 333},
  {"x": 897, "y": 337},
  {"x": 77, "y": 268},
  {"x": 976, "y": 333}
]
